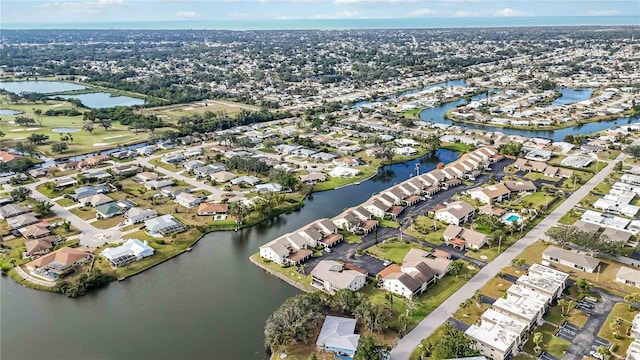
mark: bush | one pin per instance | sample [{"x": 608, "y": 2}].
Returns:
[
  {"x": 160, "y": 242},
  {"x": 266, "y": 261}
]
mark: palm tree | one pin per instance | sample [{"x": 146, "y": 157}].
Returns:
[
  {"x": 615, "y": 326},
  {"x": 629, "y": 299},
  {"x": 537, "y": 340},
  {"x": 477, "y": 295},
  {"x": 603, "y": 351}
]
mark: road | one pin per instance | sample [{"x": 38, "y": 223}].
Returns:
[{"x": 429, "y": 324}]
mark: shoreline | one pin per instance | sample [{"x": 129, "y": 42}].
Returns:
[{"x": 295, "y": 284}]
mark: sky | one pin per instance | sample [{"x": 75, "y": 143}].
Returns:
[{"x": 103, "y": 11}]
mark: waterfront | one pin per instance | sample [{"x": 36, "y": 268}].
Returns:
[
  {"x": 209, "y": 303},
  {"x": 43, "y": 87},
  {"x": 103, "y": 100}
]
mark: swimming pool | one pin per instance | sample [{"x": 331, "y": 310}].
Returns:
[{"x": 510, "y": 218}]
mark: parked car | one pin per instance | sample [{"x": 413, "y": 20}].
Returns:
[
  {"x": 387, "y": 262},
  {"x": 327, "y": 249}
]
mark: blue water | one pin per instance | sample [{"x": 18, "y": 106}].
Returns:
[
  {"x": 342, "y": 24},
  {"x": 44, "y": 87},
  {"x": 9, "y": 112},
  {"x": 570, "y": 96},
  {"x": 104, "y": 100},
  {"x": 512, "y": 218}
]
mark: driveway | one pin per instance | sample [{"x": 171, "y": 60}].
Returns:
[
  {"x": 429, "y": 324},
  {"x": 586, "y": 338}
]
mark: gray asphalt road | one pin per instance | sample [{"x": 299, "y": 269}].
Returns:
[{"x": 430, "y": 323}]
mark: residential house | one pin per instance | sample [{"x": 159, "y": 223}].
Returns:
[
  {"x": 159, "y": 184},
  {"x": 173, "y": 158},
  {"x": 490, "y": 194},
  {"x": 108, "y": 210},
  {"x": 338, "y": 336},
  {"x": 147, "y": 150},
  {"x": 95, "y": 200},
  {"x": 92, "y": 161},
  {"x": 250, "y": 180},
  {"x": 331, "y": 276},
  {"x": 212, "y": 209},
  {"x": 20, "y": 221},
  {"x": 628, "y": 276},
  {"x": 193, "y": 164},
  {"x": 52, "y": 265},
  {"x": 137, "y": 215},
  {"x": 223, "y": 176},
  {"x": 164, "y": 225},
  {"x": 347, "y": 162},
  {"x": 313, "y": 178},
  {"x": 39, "y": 247},
  {"x": 455, "y": 213},
  {"x": 35, "y": 231},
  {"x": 343, "y": 172},
  {"x": 520, "y": 186},
  {"x": 187, "y": 200},
  {"x": 130, "y": 251},
  {"x": 464, "y": 238},
  {"x": 173, "y": 191},
  {"x": 88, "y": 191},
  {"x": 145, "y": 176},
  {"x": 617, "y": 235},
  {"x": 528, "y": 310},
  {"x": 6, "y": 157},
  {"x": 208, "y": 170},
  {"x": 569, "y": 258},
  {"x": 270, "y": 187},
  {"x": 126, "y": 170},
  {"x": 493, "y": 340},
  {"x": 11, "y": 210},
  {"x": 412, "y": 279},
  {"x": 439, "y": 264}
]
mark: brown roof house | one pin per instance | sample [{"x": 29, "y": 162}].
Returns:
[
  {"x": 466, "y": 237},
  {"x": 212, "y": 209},
  {"x": 52, "y": 265}
]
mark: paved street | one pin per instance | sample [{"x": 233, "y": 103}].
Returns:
[{"x": 429, "y": 324}]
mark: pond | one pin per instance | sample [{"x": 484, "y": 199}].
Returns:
[
  {"x": 9, "y": 112},
  {"x": 104, "y": 100},
  {"x": 65, "y": 130},
  {"x": 44, "y": 87},
  {"x": 570, "y": 96}
]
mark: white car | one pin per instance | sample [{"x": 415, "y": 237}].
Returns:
[
  {"x": 327, "y": 249},
  {"x": 595, "y": 355},
  {"x": 387, "y": 262}
]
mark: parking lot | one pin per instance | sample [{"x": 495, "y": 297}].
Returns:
[{"x": 567, "y": 331}]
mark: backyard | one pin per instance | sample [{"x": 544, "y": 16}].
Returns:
[
  {"x": 394, "y": 251},
  {"x": 620, "y": 344}
]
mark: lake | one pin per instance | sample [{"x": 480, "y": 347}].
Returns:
[
  {"x": 104, "y": 100},
  {"x": 9, "y": 112},
  {"x": 210, "y": 303},
  {"x": 570, "y": 96},
  {"x": 44, "y": 87}
]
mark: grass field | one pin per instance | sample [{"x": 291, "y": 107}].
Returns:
[
  {"x": 394, "y": 251},
  {"x": 550, "y": 343},
  {"x": 83, "y": 141},
  {"x": 176, "y": 111},
  {"x": 619, "y": 346}
]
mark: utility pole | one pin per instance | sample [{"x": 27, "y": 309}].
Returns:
[{"x": 499, "y": 243}]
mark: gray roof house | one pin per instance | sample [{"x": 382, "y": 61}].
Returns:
[
  {"x": 164, "y": 225},
  {"x": 138, "y": 215},
  {"x": 11, "y": 210},
  {"x": 569, "y": 258}
]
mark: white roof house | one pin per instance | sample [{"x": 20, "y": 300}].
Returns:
[
  {"x": 544, "y": 280},
  {"x": 130, "y": 250},
  {"x": 164, "y": 225},
  {"x": 337, "y": 335},
  {"x": 340, "y": 171},
  {"x": 331, "y": 276},
  {"x": 493, "y": 340},
  {"x": 628, "y": 276}
]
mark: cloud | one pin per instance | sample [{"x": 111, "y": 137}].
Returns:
[
  {"x": 422, "y": 12},
  {"x": 603, "y": 13},
  {"x": 111, "y": 2},
  {"x": 506, "y": 12},
  {"x": 185, "y": 14}
]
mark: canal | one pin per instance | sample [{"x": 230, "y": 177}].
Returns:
[{"x": 210, "y": 303}]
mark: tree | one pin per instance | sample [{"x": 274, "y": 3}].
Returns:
[
  {"x": 518, "y": 262},
  {"x": 477, "y": 296},
  {"x": 312, "y": 356},
  {"x": 630, "y": 299},
  {"x": 24, "y": 121},
  {"x": 582, "y": 285},
  {"x": 615, "y": 326},
  {"x": 20, "y": 194},
  {"x": 346, "y": 300},
  {"x": 43, "y": 207},
  {"x": 105, "y": 123},
  {"x": 537, "y": 340},
  {"x": 563, "y": 235},
  {"x": 633, "y": 150},
  {"x": 452, "y": 344},
  {"x": 433, "y": 143},
  {"x": 603, "y": 351},
  {"x": 511, "y": 149},
  {"x": 455, "y": 268},
  {"x": 37, "y": 138},
  {"x": 88, "y": 126},
  {"x": 292, "y": 321},
  {"x": 59, "y": 147},
  {"x": 369, "y": 349}
]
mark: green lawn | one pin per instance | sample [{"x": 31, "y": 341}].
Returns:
[
  {"x": 550, "y": 343},
  {"x": 388, "y": 223},
  {"x": 66, "y": 202},
  {"x": 576, "y": 317},
  {"x": 619, "y": 346},
  {"x": 534, "y": 175},
  {"x": 539, "y": 198},
  {"x": 292, "y": 272},
  {"x": 351, "y": 238},
  {"x": 423, "y": 230},
  {"x": 471, "y": 315},
  {"x": 459, "y": 147},
  {"x": 496, "y": 287},
  {"x": 570, "y": 218},
  {"x": 333, "y": 183},
  {"x": 603, "y": 188},
  {"x": 108, "y": 223},
  {"x": 394, "y": 251},
  {"x": 84, "y": 212}
]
